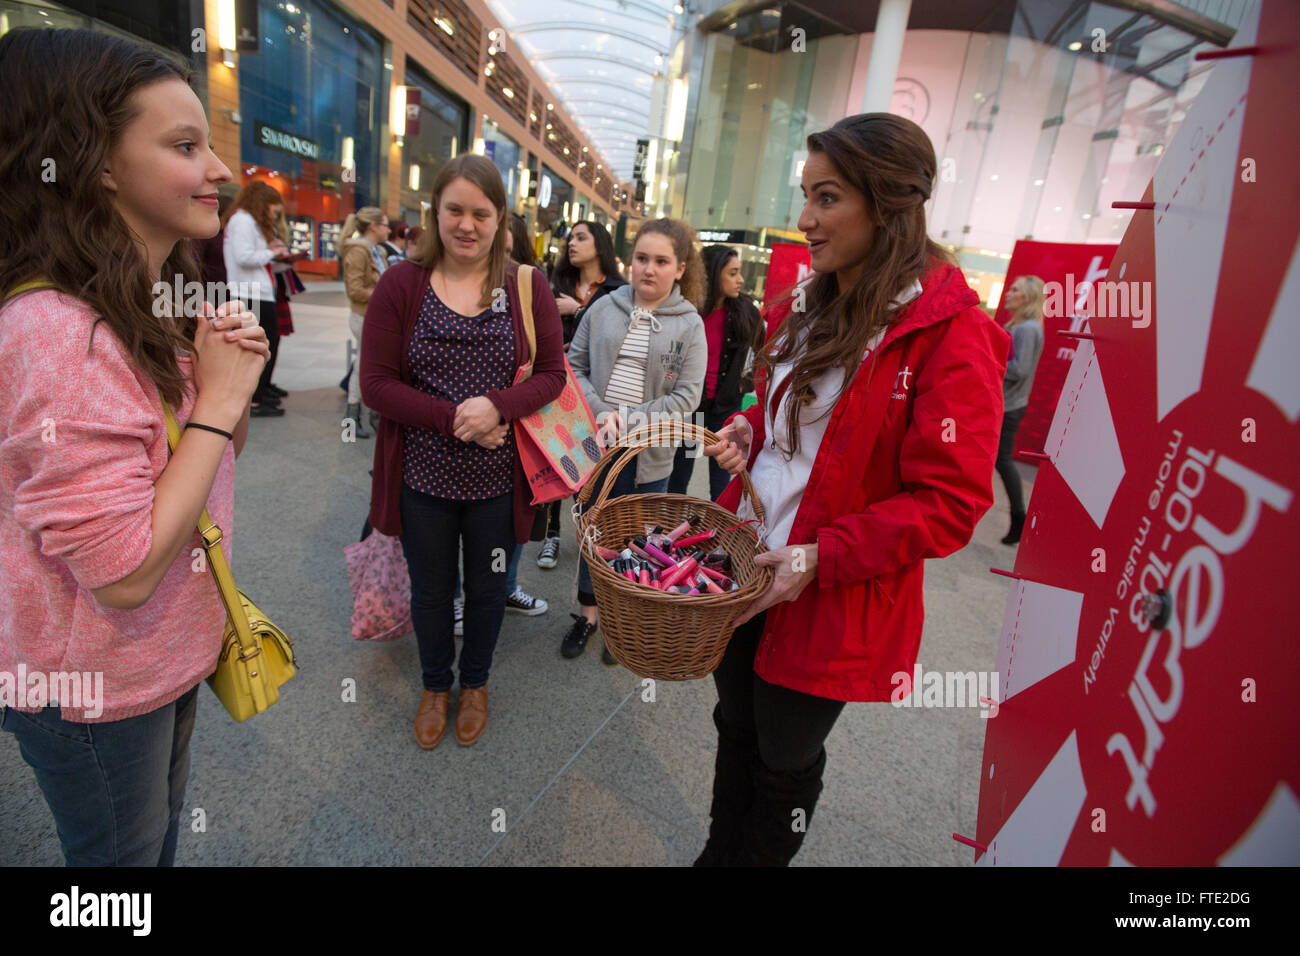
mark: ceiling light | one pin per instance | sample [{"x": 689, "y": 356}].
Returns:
[
  {"x": 508, "y": 93},
  {"x": 445, "y": 26},
  {"x": 550, "y": 106},
  {"x": 678, "y": 8},
  {"x": 1075, "y": 46}
]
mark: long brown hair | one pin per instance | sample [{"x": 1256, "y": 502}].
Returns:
[
  {"x": 483, "y": 173},
  {"x": 256, "y": 198},
  {"x": 69, "y": 94},
  {"x": 682, "y": 237},
  {"x": 890, "y": 161}
]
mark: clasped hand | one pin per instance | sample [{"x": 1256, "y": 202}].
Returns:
[{"x": 479, "y": 421}]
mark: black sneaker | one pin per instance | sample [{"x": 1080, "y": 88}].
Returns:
[
  {"x": 550, "y": 553},
  {"x": 265, "y": 410},
  {"x": 277, "y": 391},
  {"x": 606, "y": 657},
  {"x": 575, "y": 642}
]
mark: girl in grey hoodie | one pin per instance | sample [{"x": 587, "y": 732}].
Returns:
[
  {"x": 639, "y": 354},
  {"x": 1025, "y": 301}
]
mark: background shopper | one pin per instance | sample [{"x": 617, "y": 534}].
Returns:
[
  {"x": 251, "y": 245},
  {"x": 97, "y": 527},
  {"x": 860, "y": 485},
  {"x": 441, "y": 351},
  {"x": 640, "y": 350},
  {"x": 1024, "y": 300},
  {"x": 731, "y": 325},
  {"x": 586, "y": 271},
  {"x": 361, "y": 239}
]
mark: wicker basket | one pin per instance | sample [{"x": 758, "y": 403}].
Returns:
[{"x": 652, "y": 633}]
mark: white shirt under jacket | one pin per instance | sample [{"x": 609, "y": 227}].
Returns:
[{"x": 246, "y": 254}]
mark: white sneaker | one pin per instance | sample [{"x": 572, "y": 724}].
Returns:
[
  {"x": 521, "y": 602},
  {"x": 458, "y": 609},
  {"x": 549, "y": 554}
]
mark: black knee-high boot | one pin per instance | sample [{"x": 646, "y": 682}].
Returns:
[
  {"x": 774, "y": 828},
  {"x": 733, "y": 793}
]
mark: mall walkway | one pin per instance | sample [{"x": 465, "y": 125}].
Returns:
[{"x": 575, "y": 768}]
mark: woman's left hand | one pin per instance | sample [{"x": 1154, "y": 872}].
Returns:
[
  {"x": 795, "y": 568},
  {"x": 238, "y": 325},
  {"x": 475, "y": 417}
]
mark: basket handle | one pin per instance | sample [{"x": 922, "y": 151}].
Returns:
[{"x": 639, "y": 439}]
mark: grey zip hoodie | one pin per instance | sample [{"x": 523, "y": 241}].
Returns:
[{"x": 675, "y": 366}]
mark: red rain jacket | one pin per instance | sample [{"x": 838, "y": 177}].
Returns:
[{"x": 904, "y": 473}]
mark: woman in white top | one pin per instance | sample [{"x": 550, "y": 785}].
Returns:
[{"x": 251, "y": 244}]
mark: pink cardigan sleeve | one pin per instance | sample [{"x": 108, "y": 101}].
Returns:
[{"x": 74, "y": 449}]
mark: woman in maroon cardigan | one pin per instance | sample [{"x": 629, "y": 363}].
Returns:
[{"x": 443, "y": 340}]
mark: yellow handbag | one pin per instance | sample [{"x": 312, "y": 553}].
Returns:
[{"x": 256, "y": 656}]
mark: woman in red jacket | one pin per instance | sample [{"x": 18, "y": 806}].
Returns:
[
  {"x": 879, "y": 409},
  {"x": 442, "y": 344}
]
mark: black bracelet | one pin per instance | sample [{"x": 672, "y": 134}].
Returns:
[{"x": 209, "y": 428}]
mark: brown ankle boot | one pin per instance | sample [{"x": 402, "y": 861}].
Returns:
[
  {"x": 431, "y": 718},
  {"x": 471, "y": 718}
]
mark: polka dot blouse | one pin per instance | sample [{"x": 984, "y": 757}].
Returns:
[{"x": 455, "y": 357}]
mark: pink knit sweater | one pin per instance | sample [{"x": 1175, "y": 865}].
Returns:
[{"x": 82, "y": 441}]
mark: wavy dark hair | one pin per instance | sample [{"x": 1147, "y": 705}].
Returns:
[
  {"x": 682, "y": 236},
  {"x": 891, "y": 161},
  {"x": 69, "y": 94},
  {"x": 521, "y": 244},
  {"x": 565, "y": 275},
  {"x": 483, "y": 173}
]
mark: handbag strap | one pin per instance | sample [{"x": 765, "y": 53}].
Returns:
[
  {"x": 524, "y": 281},
  {"x": 217, "y": 564}
]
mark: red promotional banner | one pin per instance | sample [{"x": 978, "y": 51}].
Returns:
[
  {"x": 1068, "y": 270},
  {"x": 1153, "y": 596},
  {"x": 790, "y": 262}
]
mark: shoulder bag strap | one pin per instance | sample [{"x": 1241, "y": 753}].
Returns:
[
  {"x": 524, "y": 282},
  {"x": 217, "y": 563}
]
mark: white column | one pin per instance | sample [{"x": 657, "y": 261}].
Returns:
[{"x": 886, "y": 49}]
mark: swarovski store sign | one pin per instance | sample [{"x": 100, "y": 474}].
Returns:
[{"x": 285, "y": 142}]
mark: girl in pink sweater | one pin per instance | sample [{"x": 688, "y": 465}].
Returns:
[{"x": 106, "y": 630}]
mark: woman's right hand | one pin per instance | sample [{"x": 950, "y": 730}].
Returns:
[
  {"x": 567, "y": 304},
  {"x": 732, "y": 451},
  {"x": 227, "y": 364}
]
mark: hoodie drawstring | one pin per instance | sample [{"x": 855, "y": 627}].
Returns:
[{"x": 639, "y": 313}]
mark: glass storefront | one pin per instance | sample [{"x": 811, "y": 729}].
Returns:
[
  {"x": 1034, "y": 139},
  {"x": 554, "y": 200},
  {"x": 505, "y": 153},
  {"x": 443, "y": 132},
  {"x": 312, "y": 104}
]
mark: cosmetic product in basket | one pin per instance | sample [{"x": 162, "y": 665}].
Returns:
[
  {"x": 659, "y": 556},
  {"x": 661, "y": 541},
  {"x": 682, "y": 528},
  {"x": 698, "y": 538},
  {"x": 643, "y": 573},
  {"x": 707, "y": 582},
  {"x": 680, "y": 573},
  {"x": 719, "y": 560},
  {"x": 642, "y": 553},
  {"x": 713, "y": 575},
  {"x": 629, "y": 569},
  {"x": 607, "y": 554}
]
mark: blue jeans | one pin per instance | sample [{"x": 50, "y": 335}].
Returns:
[
  {"x": 624, "y": 484},
  {"x": 433, "y": 533},
  {"x": 116, "y": 788}
]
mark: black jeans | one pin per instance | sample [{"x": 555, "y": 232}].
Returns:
[
  {"x": 267, "y": 319},
  {"x": 788, "y": 726},
  {"x": 684, "y": 460},
  {"x": 1006, "y": 466},
  {"x": 433, "y": 533}
]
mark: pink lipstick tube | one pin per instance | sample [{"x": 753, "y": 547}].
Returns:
[
  {"x": 638, "y": 550},
  {"x": 707, "y": 583},
  {"x": 682, "y": 528},
  {"x": 681, "y": 573},
  {"x": 606, "y": 554},
  {"x": 698, "y": 538}
]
